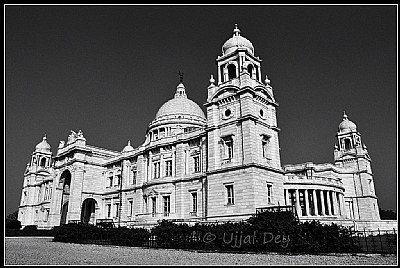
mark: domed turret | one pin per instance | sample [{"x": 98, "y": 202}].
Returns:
[
  {"x": 237, "y": 41},
  {"x": 128, "y": 147},
  {"x": 346, "y": 125},
  {"x": 43, "y": 146}
]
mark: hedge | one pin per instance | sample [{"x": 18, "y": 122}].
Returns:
[
  {"x": 83, "y": 233},
  {"x": 29, "y": 230},
  {"x": 264, "y": 232}
]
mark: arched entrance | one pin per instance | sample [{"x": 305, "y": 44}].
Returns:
[
  {"x": 65, "y": 183},
  {"x": 88, "y": 212}
]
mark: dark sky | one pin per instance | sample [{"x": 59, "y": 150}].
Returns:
[{"x": 108, "y": 69}]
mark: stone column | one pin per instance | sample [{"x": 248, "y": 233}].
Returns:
[
  {"x": 298, "y": 208},
  {"x": 307, "y": 203},
  {"x": 321, "y": 195},
  {"x": 314, "y": 192},
  {"x": 341, "y": 203},
  {"x": 173, "y": 162},
  {"x": 328, "y": 201},
  {"x": 161, "y": 165},
  {"x": 287, "y": 200},
  {"x": 145, "y": 170},
  {"x": 219, "y": 75},
  {"x": 335, "y": 203},
  {"x": 226, "y": 75},
  {"x": 150, "y": 165}
]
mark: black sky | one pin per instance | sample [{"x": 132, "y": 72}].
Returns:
[{"x": 108, "y": 69}]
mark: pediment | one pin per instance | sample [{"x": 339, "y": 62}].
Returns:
[{"x": 224, "y": 92}]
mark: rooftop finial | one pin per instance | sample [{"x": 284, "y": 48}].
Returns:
[
  {"x": 344, "y": 115},
  {"x": 236, "y": 31},
  {"x": 267, "y": 81}
]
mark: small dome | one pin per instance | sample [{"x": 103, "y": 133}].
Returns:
[
  {"x": 237, "y": 41},
  {"x": 180, "y": 105},
  {"x": 128, "y": 147},
  {"x": 346, "y": 125},
  {"x": 43, "y": 146}
]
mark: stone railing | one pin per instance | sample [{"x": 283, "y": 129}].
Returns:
[{"x": 313, "y": 180}]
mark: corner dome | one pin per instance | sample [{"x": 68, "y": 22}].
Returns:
[
  {"x": 180, "y": 108},
  {"x": 43, "y": 146},
  {"x": 128, "y": 147},
  {"x": 346, "y": 125},
  {"x": 237, "y": 41}
]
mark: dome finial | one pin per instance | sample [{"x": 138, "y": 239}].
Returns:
[
  {"x": 236, "y": 31},
  {"x": 344, "y": 115}
]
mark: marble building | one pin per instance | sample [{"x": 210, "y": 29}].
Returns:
[{"x": 218, "y": 166}]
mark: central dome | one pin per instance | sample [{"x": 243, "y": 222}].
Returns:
[
  {"x": 179, "y": 110},
  {"x": 237, "y": 41},
  {"x": 178, "y": 106}
]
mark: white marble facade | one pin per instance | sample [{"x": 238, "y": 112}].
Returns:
[{"x": 192, "y": 166}]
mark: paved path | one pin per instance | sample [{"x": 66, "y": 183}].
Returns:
[{"x": 40, "y": 251}]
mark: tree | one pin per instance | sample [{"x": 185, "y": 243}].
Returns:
[
  {"x": 387, "y": 214},
  {"x": 13, "y": 216},
  {"x": 12, "y": 221},
  {"x": 13, "y": 224}
]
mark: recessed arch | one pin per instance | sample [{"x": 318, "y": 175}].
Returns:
[
  {"x": 65, "y": 183},
  {"x": 347, "y": 144},
  {"x": 231, "y": 71},
  {"x": 250, "y": 69},
  {"x": 88, "y": 211},
  {"x": 43, "y": 162}
]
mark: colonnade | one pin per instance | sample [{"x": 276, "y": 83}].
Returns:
[{"x": 316, "y": 202}]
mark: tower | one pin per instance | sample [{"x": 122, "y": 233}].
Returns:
[
  {"x": 352, "y": 154},
  {"x": 37, "y": 188},
  {"x": 244, "y": 168}
]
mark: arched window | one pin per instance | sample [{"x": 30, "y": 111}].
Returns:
[
  {"x": 231, "y": 71},
  {"x": 250, "y": 70}
]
